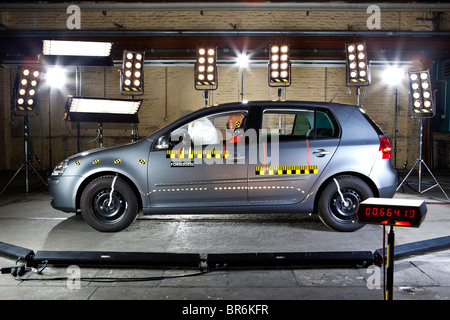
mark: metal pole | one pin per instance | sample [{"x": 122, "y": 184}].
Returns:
[
  {"x": 383, "y": 253},
  {"x": 420, "y": 154},
  {"x": 100, "y": 137},
  {"x": 25, "y": 129},
  {"x": 395, "y": 132},
  {"x": 206, "y": 97},
  {"x": 50, "y": 127},
  {"x": 242, "y": 85},
  {"x": 358, "y": 91},
  {"x": 390, "y": 265},
  {"x": 78, "y": 89}
]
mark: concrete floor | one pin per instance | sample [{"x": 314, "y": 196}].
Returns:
[{"x": 29, "y": 221}]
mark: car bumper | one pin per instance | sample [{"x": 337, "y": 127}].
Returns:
[
  {"x": 385, "y": 178},
  {"x": 387, "y": 192},
  {"x": 63, "y": 192}
]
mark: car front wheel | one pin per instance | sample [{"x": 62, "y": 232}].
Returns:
[
  {"x": 109, "y": 204},
  {"x": 337, "y": 208}
]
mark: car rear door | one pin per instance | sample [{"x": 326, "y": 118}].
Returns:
[{"x": 295, "y": 145}]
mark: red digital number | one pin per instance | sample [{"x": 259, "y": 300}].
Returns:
[{"x": 406, "y": 216}]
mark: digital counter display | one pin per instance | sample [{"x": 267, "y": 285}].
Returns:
[{"x": 392, "y": 212}]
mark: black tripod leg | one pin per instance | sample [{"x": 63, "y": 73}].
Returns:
[
  {"x": 435, "y": 180},
  {"x": 410, "y": 171},
  {"x": 17, "y": 172},
  {"x": 37, "y": 173}
]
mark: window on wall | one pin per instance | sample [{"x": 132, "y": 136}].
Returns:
[{"x": 300, "y": 124}]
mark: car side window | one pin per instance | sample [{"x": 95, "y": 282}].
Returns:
[
  {"x": 211, "y": 130},
  {"x": 300, "y": 124},
  {"x": 326, "y": 125},
  {"x": 289, "y": 124}
]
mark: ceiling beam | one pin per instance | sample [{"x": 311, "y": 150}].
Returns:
[
  {"x": 183, "y": 44},
  {"x": 225, "y": 6}
]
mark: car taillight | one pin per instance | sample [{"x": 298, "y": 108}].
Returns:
[{"x": 385, "y": 148}]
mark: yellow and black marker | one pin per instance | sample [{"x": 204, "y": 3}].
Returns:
[
  {"x": 117, "y": 161},
  {"x": 95, "y": 161},
  {"x": 77, "y": 163},
  {"x": 285, "y": 170},
  {"x": 141, "y": 161},
  {"x": 196, "y": 154}
]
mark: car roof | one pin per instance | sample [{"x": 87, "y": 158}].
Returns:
[
  {"x": 253, "y": 105},
  {"x": 280, "y": 104}
]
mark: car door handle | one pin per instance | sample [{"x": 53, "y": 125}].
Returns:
[
  {"x": 236, "y": 157},
  {"x": 320, "y": 153}
]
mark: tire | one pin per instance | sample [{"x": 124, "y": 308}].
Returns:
[
  {"x": 333, "y": 212},
  {"x": 105, "y": 214}
]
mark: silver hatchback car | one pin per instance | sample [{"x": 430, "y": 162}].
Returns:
[{"x": 257, "y": 157}]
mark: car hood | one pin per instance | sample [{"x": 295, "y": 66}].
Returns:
[{"x": 92, "y": 152}]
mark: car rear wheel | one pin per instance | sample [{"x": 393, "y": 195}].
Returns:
[
  {"x": 338, "y": 209},
  {"x": 109, "y": 204}
]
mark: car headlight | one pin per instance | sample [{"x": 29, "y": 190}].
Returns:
[{"x": 60, "y": 168}]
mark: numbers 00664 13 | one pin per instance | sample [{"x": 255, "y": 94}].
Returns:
[{"x": 389, "y": 212}]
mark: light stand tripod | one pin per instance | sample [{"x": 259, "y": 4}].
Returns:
[
  {"x": 26, "y": 162},
  {"x": 399, "y": 175},
  {"x": 419, "y": 162}
]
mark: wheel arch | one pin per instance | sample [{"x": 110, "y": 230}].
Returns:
[
  {"x": 107, "y": 173},
  {"x": 364, "y": 178}
]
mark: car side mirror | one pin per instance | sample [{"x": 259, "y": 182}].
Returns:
[{"x": 163, "y": 143}]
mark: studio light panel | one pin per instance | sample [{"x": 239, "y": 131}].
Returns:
[
  {"x": 358, "y": 73},
  {"x": 279, "y": 66},
  {"x": 26, "y": 89},
  {"x": 76, "y": 48},
  {"x": 92, "y": 109},
  {"x": 421, "y": 95},
  {"x": 77, "y": 53},
  {"x": 98, "y": 105},
  {"x": 206, "y": 69},
  {"x": 132, "y": 73}
]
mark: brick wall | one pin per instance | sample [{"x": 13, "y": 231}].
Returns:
[
  {"x": 195, "y": 20},
  {"x": 170, "y": 93}
]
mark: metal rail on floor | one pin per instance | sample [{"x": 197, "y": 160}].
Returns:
[{"x": 221, "y": 260}]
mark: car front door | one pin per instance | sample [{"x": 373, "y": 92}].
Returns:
[
  {"x": 199, "y": 164},
  {"x": 295, "y": 145}
]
